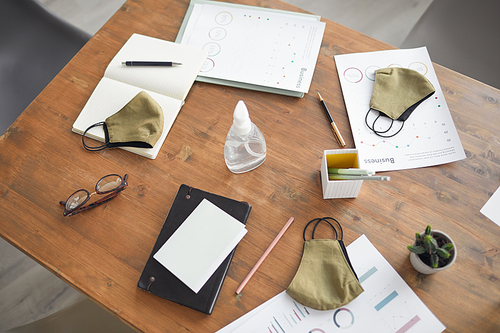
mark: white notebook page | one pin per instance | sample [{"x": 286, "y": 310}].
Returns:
[{"x": 171, "y": 81}]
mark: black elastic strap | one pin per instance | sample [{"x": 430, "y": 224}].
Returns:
[
  {"x": 104, "y": 146},
  {"x": 325, "y": 219},
  {"x": 380, "y": 133}
]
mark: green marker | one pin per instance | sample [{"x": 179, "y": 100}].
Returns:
[
  {"x": 351, "y": 177},
  {"x": 351, "y": 171}
]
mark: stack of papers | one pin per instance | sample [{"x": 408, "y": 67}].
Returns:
[
  {"x": 253, "y": 47},
  {"x": 200, "y": 245}
]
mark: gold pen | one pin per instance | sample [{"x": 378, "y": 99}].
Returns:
[{"x": 339, "y": 138}]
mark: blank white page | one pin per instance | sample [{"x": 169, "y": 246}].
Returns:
[
  {"x": 173, "y": 81},
  {"x": 490, "y": 209},
  {"x": 200, "y": 245}
]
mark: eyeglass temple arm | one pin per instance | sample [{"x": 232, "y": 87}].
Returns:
[
  {"x": 101, "y": 201},
  {"x": 96, "y": 203}
]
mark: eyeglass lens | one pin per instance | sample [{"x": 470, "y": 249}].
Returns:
[
  {"x": 76, "y": 199},
  {"x": 108, "y": 183}
]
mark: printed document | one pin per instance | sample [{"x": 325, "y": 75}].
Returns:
[
  {"x": 246, "y": 44},
  {"x": 429, "y": 136},
  {"x": 387, "y": 305}
]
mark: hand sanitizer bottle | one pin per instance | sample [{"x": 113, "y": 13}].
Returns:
[{"x": 245, "y": 147}]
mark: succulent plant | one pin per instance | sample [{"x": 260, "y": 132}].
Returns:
[{"x": 427, "y": 244}]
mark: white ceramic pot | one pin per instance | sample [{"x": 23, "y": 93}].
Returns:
[{"x": 423, "y": 268}]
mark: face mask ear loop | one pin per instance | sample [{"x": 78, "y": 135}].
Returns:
[
  {"x": 318, "y": 221},
  {"x": 340, "y": 227},
  {"x": 331, "y": 225},
  {"x": 307, "y": 225},
  {"x": 380, "y": 133},
  {"x": 373, "y": 125},
  {"x": 98, "y": 147}
]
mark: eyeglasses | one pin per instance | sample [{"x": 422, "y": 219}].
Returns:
[{"x": 107, "y": 184}]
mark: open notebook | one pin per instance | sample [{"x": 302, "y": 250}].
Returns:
[{"x": 168, "y": 86}]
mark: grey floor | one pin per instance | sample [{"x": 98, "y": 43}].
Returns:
[
  {"x": 28, "y": 291},
  {"x": 387, "y": 20}
]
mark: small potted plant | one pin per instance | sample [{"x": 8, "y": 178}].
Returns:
[{"x": 432, "y": 251}]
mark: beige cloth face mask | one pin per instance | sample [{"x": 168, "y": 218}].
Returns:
[
  {"x": 138, "y": 124},
  {"x": 325, "y": 279},
  {"x": 396, "y": 94}
]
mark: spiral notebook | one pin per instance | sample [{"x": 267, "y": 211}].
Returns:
[{"x": 159, "y": 281}]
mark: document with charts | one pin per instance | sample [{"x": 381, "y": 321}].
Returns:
[
  {"x": 261, "y": 48},
  {"x": 429, "y": 136},
  {"x": 387, "y": 305}
]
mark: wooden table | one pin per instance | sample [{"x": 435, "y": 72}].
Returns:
[{"x": 102, "y": 252}]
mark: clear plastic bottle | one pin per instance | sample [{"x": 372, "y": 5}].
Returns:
[{"x": 245, "y": 147}]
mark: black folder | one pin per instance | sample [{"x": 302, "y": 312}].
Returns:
[{"x": 156, "y": 279}]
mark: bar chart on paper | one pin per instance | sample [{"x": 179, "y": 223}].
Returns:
[
  {"x": 288, "y": 319},
  {"x": 285, "y": 315},
  {"x": 398, "y": 308},
  {"x": 387, "y": 305},
  {"x": 399, "y": 322},
  {"x": 428, "y": 137}
]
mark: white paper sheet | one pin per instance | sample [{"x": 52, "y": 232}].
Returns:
[
  {"x": 429, "y": 136},
  {"x": 253, "y": 46},
  {"x": 387, "y": 305},
  {"x": 202, "y": 242},
  {"x": 491, "y": 209}
]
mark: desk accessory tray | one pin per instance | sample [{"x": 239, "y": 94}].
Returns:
[{"x": 344, "y": 159}]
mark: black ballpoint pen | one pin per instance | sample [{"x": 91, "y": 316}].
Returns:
[
  {"x": 151, "y": 63},
  {"x": 339, "y": 138}
]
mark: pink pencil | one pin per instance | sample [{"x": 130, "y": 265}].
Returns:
[{"x": 271, "y": 246}]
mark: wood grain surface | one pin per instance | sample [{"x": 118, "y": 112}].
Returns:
[{"x": 102, "y": 252}]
